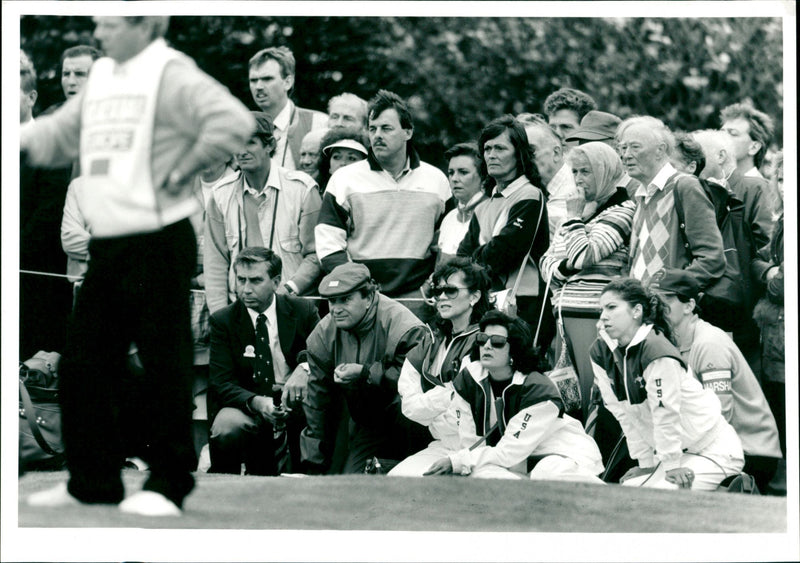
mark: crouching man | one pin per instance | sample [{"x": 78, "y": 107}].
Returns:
[
  {"x": 355, "y": 355},
  {"x": 257, "y": 356}
]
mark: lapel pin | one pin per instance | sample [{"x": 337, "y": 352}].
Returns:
[{"x": 249, "y": 351}]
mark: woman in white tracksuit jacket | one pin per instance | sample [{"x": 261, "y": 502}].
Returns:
[
  {"x": 673, "y": 426},
  {"x": 509, "y": 419},
  {"x": 460, "y": 288}
]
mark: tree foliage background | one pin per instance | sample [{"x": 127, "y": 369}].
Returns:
[{"x": 459, "y": 73}]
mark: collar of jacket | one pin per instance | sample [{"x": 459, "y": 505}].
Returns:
[
  {"x": 478, "y": 373},
  {"x": 368, "y": 320},
  {"x": 639, "y": 337},
  {"x": 411, "y": 153}
]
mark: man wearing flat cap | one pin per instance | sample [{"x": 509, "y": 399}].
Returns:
[
  {"x": 354, "y": 355},
  {"x": 719, "y": 364},
  {"x": 262, "y": 205}
]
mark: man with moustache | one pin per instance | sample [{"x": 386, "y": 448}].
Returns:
[
  {"x": 272, "y": 75},
  {"x": 383, "y": 212}
]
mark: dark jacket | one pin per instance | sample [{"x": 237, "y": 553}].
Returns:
[
  {"x": 769, "y": 311},
  {"x": 461, "y": 346},
  {"x": 379, "y": 343},
  {"x": 757, "y": 214},
  {"x": 231, "y": 381}
]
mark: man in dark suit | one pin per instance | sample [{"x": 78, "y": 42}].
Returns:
[{"x": 258, "y": 358}]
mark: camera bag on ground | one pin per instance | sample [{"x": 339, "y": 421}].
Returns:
[{"x": 40, "y": 443}]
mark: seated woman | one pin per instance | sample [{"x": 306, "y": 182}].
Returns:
[
  {"x": 466, "y": 176},
  {"x": 589, "y": 249},
  {"x": 673, "y": 425},
  {"x": 510, "y": 419},
  {"x": 461, "y": 294},
  {"x": 340, "y": 147}
]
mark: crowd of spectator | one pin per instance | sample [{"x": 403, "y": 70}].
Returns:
[{"x": 345, "y": 293}]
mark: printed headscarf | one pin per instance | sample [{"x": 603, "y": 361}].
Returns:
[{"x": 606, "y": 166}]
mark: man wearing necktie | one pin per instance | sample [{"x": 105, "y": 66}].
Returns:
[{"x": 258, "y": 355}]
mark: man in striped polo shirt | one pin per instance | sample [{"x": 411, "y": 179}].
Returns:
[{"x": 383, "y": 211}]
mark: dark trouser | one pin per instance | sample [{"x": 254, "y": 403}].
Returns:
[
  {"x": 529, "y": 309},
  {"x": 44, "y": 307},
  {"x": 395, "y": 440},
  {"x": 761, "y": 468},
  {"x": 747, "y": 338},
  {"x": 775, "y": 393},
  {"x": 237, "y": 437},
  {"x": 136, "y": 290},
  {"x": 613, "y": 446}
]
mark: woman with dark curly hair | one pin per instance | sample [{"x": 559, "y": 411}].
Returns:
[
  {"x": 461, "y": 293},
  {"x": 340, "y": 147},
  {"x": 673, "y": 425},
  {"x": 510, "y": 419}
]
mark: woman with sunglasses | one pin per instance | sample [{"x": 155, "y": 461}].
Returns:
[
  {"x": 509, "y": 418},
  {"x": 460, "y": 290},
  {"x": 673, "y": 425}
]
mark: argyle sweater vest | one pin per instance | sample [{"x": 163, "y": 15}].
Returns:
[{"x": 653, "y": 226}]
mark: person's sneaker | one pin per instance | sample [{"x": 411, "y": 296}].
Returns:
[
  {"x": 54, "y": 497},
  {"x": 149, "y": 503}
]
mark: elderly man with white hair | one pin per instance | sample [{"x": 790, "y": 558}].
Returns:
[
  {"x": 347, "y": 110},
  {"x": 645, "y": 144}
]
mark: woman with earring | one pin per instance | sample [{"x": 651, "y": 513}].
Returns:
[
  {"x": 510, "y": 419},
  {"x": 460, "y": 290},
  {"x": 673, "y": 426}
]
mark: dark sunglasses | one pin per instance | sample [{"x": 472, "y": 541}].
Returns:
[
  {"x": 496, "y": 340},
  {"x": 450, "y": 291}
]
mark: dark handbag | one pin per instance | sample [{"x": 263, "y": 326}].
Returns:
[
  {"x": 40, "y": 442},
  {"x": 741, "y": 483}
]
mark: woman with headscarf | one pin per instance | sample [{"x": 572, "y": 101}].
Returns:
[{"x": 589, "y": 249}]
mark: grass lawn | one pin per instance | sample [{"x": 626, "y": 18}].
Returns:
[{"x": 363, "y": 502}]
